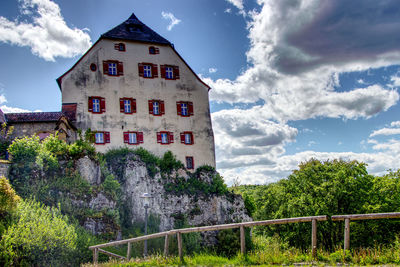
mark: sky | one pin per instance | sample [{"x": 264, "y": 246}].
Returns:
[{"x": 291, "y": 79}]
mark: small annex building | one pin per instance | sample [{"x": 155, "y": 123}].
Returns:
[{"x": 133, "y": 89}]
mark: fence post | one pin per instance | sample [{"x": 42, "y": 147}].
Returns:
[
  {"x": 314, "y": 238},
  {"x": 95, "y": 255},
  {"x": 128, "y": 253},
  {"x": 346, "y": 234},
  {"x": 242, "y": 241},
  {"x": 166, "y": 244},
  {"x": 179, "y": 235}
]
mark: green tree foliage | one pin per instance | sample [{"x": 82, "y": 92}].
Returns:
[
  {"x": 329, "y": 188},
  {"x": 40, "y": 236}
]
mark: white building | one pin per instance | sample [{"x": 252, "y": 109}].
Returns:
[{"x": 133, "y": 89}]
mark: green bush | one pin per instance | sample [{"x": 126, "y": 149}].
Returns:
[
  {"x": 168, "y": 163},
  {"x": 40, "y": 236}
]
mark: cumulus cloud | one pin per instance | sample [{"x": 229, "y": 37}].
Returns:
[
  {"x": 47, "y": 35},
  {"x": 7, "y": 109},
  {"x": 298, "y": 50},
  {"x": 212, "y": 70},
  {"x": 173, "y": 21}
]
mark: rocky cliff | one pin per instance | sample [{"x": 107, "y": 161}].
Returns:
[{"x": 179, "y": 197}]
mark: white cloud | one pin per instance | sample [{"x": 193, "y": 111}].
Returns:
[
  {"x": 386, "y": 131},
  {"x": 7, "y": 109},
  {"x": 395, "y": 79},
  {"x": 298, "y": 49},
  {"x": 228, "y": 10},
  {"x": 47, "y": 35},
  {"x": 212, "y": 70},
  {"x": 173, "y": 21}
]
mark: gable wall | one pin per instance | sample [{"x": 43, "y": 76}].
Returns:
[{"x": 81, "y": 82}]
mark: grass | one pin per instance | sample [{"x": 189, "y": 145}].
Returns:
[{"x": 272, "y": 251}]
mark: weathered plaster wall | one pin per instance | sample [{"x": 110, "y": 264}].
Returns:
[
  {"x": 81, "y": 82},
  {"x": 23, "y": 129}
]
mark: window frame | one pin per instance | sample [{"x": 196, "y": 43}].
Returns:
[
  {"x": 119, "y": 68},
  {"x": 161, "y": 106},
  {"x": 153, "y": 68},
  {"x": 101, "y": 103},
  {"x": 105, "y": 137},
  {"x": 120, "y": 47},
  {"x": 191, "y": 160},
  {"x": 169, "y": 136},
  {"x": 183, "y": 136},
  {"x": 122, "y": 105},
  {"x": 189, "y": 108},
  {"x": 154, "y": 50},
  {"x": 175, "y": 76},
  {"x": 127, "y": 137}
]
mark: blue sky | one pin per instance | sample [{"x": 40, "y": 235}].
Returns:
[{"x": 291, "y": 79}]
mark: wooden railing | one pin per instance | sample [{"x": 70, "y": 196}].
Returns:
[
  {"x": 354, "y": 217},
  {"x": 178, "y": 232}
]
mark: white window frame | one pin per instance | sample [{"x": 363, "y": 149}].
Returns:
[
  {"x": 132, "y": 138},
  {"x": 99, "y": 138},
  {"x": 156, "y": 108},
  {"x": 96, "y": 105},
  {"x": 169, "y": 72},
  {"x": 127, "y": 106},
  {"x": 188, "y": 138},
  {"x": 184, "y": 109},
  {"x": 112, "y": 69},
  {"x": 147, "y": 71},
  {"x": 164, "y": 138}
]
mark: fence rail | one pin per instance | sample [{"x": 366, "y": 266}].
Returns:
[{"x": 178, "y": 232}]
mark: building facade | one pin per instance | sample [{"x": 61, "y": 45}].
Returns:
[{"x": 133, "y": 89}]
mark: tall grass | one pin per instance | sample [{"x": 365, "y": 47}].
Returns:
[{"x": 273, "y": 251}]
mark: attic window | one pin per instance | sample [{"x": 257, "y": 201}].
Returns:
[
  {"x": 93, "y": 67},
  {"x": 154, "y": 50},
  {"x": 120, "y": 47}
]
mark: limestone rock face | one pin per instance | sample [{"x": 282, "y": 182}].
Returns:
[
  {"x": 199, "y": 209},
  {"x": 89, "y": 170}
]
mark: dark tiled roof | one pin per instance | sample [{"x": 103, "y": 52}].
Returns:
[
  {"x": 36, "y": 117},
  {"x": 135, "y": 30}
]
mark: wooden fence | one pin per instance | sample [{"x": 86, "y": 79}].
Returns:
[
  {"x": 178, "y": 232},
  {"x": 313, "y": 219},
  {"x": 354, "y": 217}
]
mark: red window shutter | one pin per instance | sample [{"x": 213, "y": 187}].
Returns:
[
  {"x": 139, "y": 137},
  {"x": 158, "y": 137},
  {"x": 157, "y": 50},
  {"x": 133, "y": 105},
  {"x": 126, "y": 137},
  {"x": 178, "y": 108},
  {"x": 141, "y": 70},
  {"x": 154, "y": 70},
  {"x": 107, "y": 137},
  {"x": 171, "y": 137},
  {"x": 162, "y": 107},
  {"x": 183, "y": 138},
  {"x": 190, "y": 106},
  {"x": 192, "y": 162},
  {"x": 105, "y": 67},
  {"x": 102, "y": 105},
  {"x": 121, "y": 105},
  {"x": 191, "y": 138},
  {"x": 162, "y": 68},
  {"x": 176, "y": 72},
  {"x": 150, "y": 106},
  {"x": 120, "y": 68},
  {"x": 90, "y": 104}
]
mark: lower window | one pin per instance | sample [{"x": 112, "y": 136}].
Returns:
[
  {"x": 133, "y": 138},
  {"x": 165, "y": 138},
  {"x": 189, "y": 163},
  {"x": 100, "y": 138}
]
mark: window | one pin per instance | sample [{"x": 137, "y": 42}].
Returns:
[
  {"x": 101, "y": 138},
  {"x": 93, "y": 67},
  {"x": 148, "y": 70},
  {"x": 113, "y": 68},
  {"x": 189, "y": 163},
  {"x": 187, "y": 138},
  {"x": 127, "y": 105},
  {"x": 120, "y": 47},
  {"x": 154, "y": 50},
  {"x": 96, "y": 104},
  {"x": 165, "y": 138},
  {"x": 184, "y": 108},
  {"x": 156, "y": 107},
  {"x": 133, "y": 138},
  {"x": 169, "y": 72}
]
